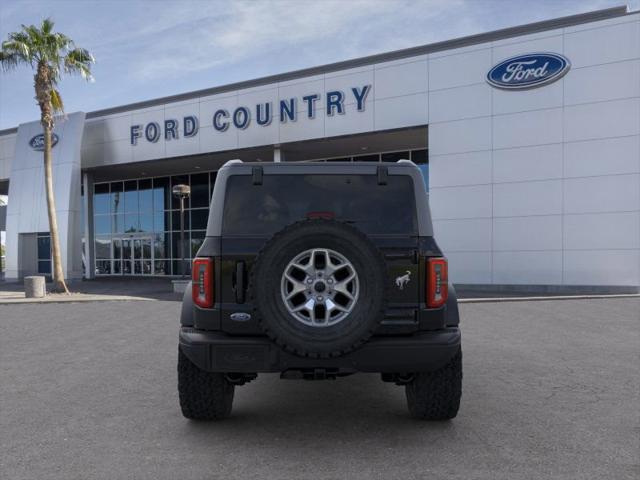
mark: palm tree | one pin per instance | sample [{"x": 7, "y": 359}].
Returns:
[
  {"x": 50, "y": 55},
  {"x": 2, "y": 204}
]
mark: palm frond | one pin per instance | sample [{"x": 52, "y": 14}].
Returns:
[
  {"x": 16, "y": 50},
  {"x": 63, "y": 42},
  {"x": 17, "y": 47},
  {"x": 34, "y": 34},
  {"x": 56, "y": 101},
  {"x": 9, "y": 61},
  {"x": 47, "y": 26},
  {"x": 79, "y": 61}
]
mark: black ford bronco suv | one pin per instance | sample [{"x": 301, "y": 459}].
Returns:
[{"x": 315, "y": 271}]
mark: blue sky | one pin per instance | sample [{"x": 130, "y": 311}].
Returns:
[{"x": 149, "y": 49}]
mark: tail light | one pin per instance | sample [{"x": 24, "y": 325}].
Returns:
[
  {"x": 437, "y": 282},
  {"x": 202, "y": 282}
]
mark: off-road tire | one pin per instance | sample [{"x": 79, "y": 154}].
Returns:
[
  {"x": 291, "y": 334},
  {"x": 436, "y": 395},
  {"x": 203, "y": 395}
]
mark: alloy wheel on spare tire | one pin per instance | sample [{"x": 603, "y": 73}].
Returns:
[{"x": 318, "y": 287}]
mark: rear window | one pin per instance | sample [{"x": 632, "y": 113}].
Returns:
[{"x": 284, "y": 199}]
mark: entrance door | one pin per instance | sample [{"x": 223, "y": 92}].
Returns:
[
  {"x": 134, "y": 254},
  {"x": 142, "y": 261}
]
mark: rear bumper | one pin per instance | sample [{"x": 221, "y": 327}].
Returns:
[{"x": 218, "y": 352}]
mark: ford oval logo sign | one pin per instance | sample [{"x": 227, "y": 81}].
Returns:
[
  {"x": 528, "y": 71},
  {"x": 37, "y": 142}
]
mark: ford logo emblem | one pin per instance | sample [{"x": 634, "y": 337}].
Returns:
[
  {"x": 528, "y": 71},
  {"x": 37, "y": 142},
  {"x": 240, "y": 317}
]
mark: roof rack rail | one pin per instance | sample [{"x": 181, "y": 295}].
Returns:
[{"x": 232, "y": 162}]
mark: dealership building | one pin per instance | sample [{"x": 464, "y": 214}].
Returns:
[{"x": 528, "y": 138}]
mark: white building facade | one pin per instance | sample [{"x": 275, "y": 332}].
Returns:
[{"x": 532, "y": 183}]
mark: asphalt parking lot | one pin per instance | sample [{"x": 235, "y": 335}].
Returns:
[{"x": 551, "y": 390}]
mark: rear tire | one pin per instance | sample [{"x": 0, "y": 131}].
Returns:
[
  {"x": 436, "y": 395},
  {"x": 203, "y": 395}
]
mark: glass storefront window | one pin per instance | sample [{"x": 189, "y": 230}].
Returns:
[
  {"x": 367, "y": 158},
  {"x": 176, "y": 267},
  {"x": 160, "y": 242},
  {"x": 117, "y": 248},
  {"x": 103, "y": 267},
  {"x": 199, "y": 218},
  {"x": 44, "y": 247},
  {"x": 196, "y": 242},
  {"x": 420, "y": 156},
  {"x": 162, "y": 267},
  {"x": 117, "y": 223},
  {"x": 103, "y": 247},
  {"x": 200, "y": 190},
  {"x": 175, "y": 244},
  {"x": 131, "y": 223},
  {"x": 101, "y": 199},
  {"x": 175, "y": 220},
  {"x": 145, "y": 195},
  {"x": 116, "y": 197},
  {"x": 44, "y": 266},
  {"x": 146, "y": 222},
  {"x": 131, "y": 203},
  {"x": 102, "y": 224},
  {"x": 44, "y": 253},
  {"x": 161, "y": 194},
  {"x": 161, "y": 222}
]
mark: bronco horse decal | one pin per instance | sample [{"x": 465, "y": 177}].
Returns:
[{"x": 402, "y": 280}]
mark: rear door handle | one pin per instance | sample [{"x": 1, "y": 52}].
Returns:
[{"x": 240, "y": 282}]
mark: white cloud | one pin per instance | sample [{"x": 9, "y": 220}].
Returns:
[{"x": 175, "y": 43}]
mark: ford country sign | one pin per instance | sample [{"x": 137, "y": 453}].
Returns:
[
  {"x": 37, "y": 142},
  {"x": 284, "y": 110},
  {"x": 528, "y": 71}
]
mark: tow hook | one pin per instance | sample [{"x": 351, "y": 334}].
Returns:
[
  {"x": 240, "y": 378},
  {"x": 398, "y": 378}
]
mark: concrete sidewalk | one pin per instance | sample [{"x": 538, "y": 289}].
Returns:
[{"x": 104, "y": 289}]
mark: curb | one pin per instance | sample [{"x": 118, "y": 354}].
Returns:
[
  {"x": 19, "y": 301},
  {"x": 544, "y": 299}
]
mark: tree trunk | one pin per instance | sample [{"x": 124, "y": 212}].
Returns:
[
  {"x": 59, "y": 284},
  {"x": 43, "y": 86}
]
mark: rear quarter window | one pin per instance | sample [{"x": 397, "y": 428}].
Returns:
[{"x": 284, "y": 199}]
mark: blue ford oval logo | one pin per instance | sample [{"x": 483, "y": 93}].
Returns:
[
  {"x": 240, "y": 317},
  {"x": 528, "y": 71},
  {"x": 37, "y": 142}
]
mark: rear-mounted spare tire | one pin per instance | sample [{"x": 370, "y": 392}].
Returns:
[{"x": 319, "y": 288}]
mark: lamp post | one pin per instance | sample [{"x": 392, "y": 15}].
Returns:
[{"x": 182, "y": 192}]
